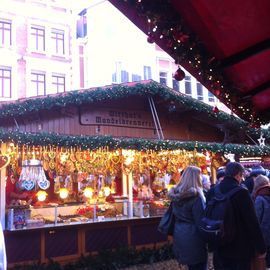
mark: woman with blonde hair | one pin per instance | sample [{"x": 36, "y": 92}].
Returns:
[
  {"x": 261, "y": 194},
  {"x": 188, "y": 203}
]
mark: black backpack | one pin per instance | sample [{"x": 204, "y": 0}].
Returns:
[{"x": 217, "y": 224}]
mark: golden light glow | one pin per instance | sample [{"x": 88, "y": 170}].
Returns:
[
  {"x": 88, "y": 192},
  {"x": 107, "y": 191},
  {"x": 100, "y": 193},
  {"x": 128, "y": 156},
  {"x": 169, "y": 187},
  {"x": 63, "y": 193},
  {"x": 41, "y": 195}
]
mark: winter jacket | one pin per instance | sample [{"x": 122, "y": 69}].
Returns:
[
  {"x": 189, "y": 247},
  {"x": 248, "y": 238},
  {"x": 262, "y": 206}
]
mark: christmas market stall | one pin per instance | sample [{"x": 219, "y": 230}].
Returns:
[{"x": 89, "y": 170}]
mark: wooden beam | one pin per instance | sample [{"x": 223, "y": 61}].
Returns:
[
  {"x": 243, "y": 55},
  {"x": 256, "y": 90}
]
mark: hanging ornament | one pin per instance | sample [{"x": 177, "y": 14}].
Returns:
[
  {"x": 32, "y": 175},
  {"x": 215, "y": 109},
  {"x": 217, "y": 92},
  {"x": 179, "y": 75},
  {"x": 150, "y": 39},
  {"x": 261, "y": 141}
]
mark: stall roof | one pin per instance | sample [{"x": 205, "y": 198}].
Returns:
[
  {"x": 163, "y": 96},
  {"x": 224, "y": 44}
]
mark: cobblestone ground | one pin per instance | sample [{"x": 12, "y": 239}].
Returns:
[{"x": 166, "y": 265}]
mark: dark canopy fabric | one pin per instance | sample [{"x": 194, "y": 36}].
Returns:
[{"x": 224, "y": 44}]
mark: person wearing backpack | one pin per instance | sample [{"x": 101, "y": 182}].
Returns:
[
  {"x": 238, "y": 234},
  {"x": 262, "y": 205},
  {"x": 188, "y": 203}
]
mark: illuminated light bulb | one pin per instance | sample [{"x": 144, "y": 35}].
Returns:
[
  {"x": 88, "y": 192},
  {"x": 41, "y": 195},
  {"x": 107, "y": 191},
  {"x": 168, "y": 187},
  {"x": 100, "y": 193},
  {"x": 63, "y": 193}
]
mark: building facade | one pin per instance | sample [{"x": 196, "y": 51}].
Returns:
[
  {"x": 54, "y": 46},
  {"x": 36, "y": 49}
]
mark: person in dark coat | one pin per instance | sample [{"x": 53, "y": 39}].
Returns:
[
  {"x": 220, "y": 174},
  {"x": 256, "y": 171},
  {"x": 262, "y": 207},
  {"x": 188, "y": 205},
  {"x": 248, "y": 240}
]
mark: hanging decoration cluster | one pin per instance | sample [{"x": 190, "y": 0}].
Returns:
[
  {"x": 102, "y": 161},
  {"x": 178, "y": 40}
]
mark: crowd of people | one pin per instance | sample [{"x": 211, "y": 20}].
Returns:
[{"x": 250, "y": 211}]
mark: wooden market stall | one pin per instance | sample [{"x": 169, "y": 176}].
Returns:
[{"x": 89, "y": 170}]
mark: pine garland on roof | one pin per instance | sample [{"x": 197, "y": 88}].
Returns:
[
  {"x": 112, "y": 143},
  {"x": 151, "y": 88}
]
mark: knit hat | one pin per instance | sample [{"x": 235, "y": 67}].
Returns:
[{"x": 260, "y": 182}]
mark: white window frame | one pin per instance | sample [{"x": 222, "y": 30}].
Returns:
[
  {"x": 188, "y": 79},
  {"x": 163, "y": 77},
  {"x": 199, "y": 97},
  {"x": 147, "y": 72},
  {"x": 56, "y": 85},
  {"x": 35, "y": 47},
  {"x": 3, "y": 43},
  {"x": 37, "y": 83},
  {"x": 4, "y": 81},
  {"x": 54, "y": 41}
]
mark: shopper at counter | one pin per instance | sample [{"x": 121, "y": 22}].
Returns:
[{"x": 188, "y": 203}]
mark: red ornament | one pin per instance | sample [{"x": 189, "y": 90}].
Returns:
[
  {"x": 217, "y": 92},
  {"x": 179, "y": 75},
  {"x": 150, "y": 39},
  {"x": 215, "y": 109}
]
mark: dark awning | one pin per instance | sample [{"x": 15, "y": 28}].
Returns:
[{"x": 224, "y": 44}]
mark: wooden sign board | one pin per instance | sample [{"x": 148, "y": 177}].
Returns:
[{"x": 116, "y": 117}]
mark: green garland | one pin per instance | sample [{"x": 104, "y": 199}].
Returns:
[
  {"x": 150, "y": 88},
  {"x": 95, "y": 142}
]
